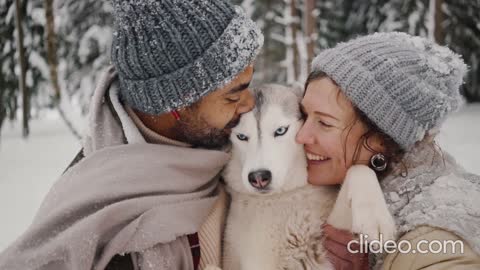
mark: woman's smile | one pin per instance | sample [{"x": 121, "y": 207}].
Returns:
[{"x": 315, "y": 159}]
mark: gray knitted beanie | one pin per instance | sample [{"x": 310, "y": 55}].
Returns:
[
  {"x": 170, "y": 53},
  {"x": 405, "y": 84}
]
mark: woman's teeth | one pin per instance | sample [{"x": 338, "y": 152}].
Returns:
[{"x": 315, "y": 157}]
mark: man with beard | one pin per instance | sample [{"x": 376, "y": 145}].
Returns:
[{"x": 143, "y": 193}]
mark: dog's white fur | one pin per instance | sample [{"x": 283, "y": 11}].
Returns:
[{"x": 281, "y": 229}]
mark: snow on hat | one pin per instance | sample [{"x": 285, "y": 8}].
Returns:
[
  {"x": 405, "y": 84},
  {"x": 170, "y": 53}
]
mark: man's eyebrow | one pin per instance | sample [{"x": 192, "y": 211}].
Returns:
[{"x": 238, "y": 88}]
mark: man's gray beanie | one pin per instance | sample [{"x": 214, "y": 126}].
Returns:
[
  {"x": 406, "y": 85},
  {"x": 170, "y": 53}
]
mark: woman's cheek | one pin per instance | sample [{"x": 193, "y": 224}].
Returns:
[{"x": 333, "y": 171}]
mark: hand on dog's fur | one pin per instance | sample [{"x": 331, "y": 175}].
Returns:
[{"x": 335, "y": 242}]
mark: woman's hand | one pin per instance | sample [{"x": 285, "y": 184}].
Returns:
[{"x": 336, "y": 244}]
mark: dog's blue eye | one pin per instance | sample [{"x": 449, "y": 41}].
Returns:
[
  {"x": 242, "y": 137},
  {"x": 280, "y": 131}
]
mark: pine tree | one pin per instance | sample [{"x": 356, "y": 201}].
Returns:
[
  {"x": 462, "y": 34},
  {"x": 51, "y": 41},
  {"x": 84, "y": 37},
  {"x": 19, "y": 18},
  {"x": 8, "y": 79},
  {"x": 35, "y": 65},
  {"x": 310, "y": 30},
  {"x": 332, "y": 19},
  {"x": 265, "y": 13}
]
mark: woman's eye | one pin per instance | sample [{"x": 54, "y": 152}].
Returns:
[
  {"x": 324, "y": 124},
  {"x": 280, "y": 131},
  {"x": 242, "y": 137}
]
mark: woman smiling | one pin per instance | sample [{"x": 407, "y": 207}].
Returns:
[{"x": 379, "y": 100}]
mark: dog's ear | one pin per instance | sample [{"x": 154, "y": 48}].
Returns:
[{"x": 297, "y": 89}]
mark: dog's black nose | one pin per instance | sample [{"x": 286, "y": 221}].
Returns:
[{"x": 260, "y": 179}]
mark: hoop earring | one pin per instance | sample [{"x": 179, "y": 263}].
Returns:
[{"x": 379, "y": 162}]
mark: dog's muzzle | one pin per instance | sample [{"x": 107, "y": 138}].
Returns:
[{"x": 260, "y": 179}]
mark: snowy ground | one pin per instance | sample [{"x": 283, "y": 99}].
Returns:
[
  {"x": 29, "y": 167},
  {"x": 460, "y": 137},
  {"x": 27, "y": 170}
]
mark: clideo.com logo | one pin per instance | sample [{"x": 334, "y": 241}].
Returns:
[{"x": 364, "y": 245}]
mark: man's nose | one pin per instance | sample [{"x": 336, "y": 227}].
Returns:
[{"x": 247, "y": 102}]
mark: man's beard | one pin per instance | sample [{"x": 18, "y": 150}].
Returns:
[{"x": 198, "y": 133}]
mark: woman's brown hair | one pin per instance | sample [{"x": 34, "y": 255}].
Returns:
[{"x": 393, "y": 152}]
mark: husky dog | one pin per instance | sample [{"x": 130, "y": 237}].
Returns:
[{"x": 275, "y": 216}]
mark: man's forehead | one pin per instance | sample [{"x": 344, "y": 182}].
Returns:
[
  {"x": 238, "y": 84},
  {"x": 242, "y": 81},
  {"x": 238, "y": 88}
]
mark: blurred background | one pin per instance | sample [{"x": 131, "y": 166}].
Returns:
[{"x": 53, "y": 52}]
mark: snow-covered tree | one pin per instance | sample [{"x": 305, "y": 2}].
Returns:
[
  {"x": 294, "y": 30},
  {"x": 84, "y": 29},
  {"x": 8, "y": 79},
  {"x": 264, "y": 12},
  {"x": 285, "y": 55},
  {"x": 462, "y": 34},
  {"x": 36, "y": 67}
]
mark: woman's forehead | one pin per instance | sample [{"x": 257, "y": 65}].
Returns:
[{"x": 325, "y": 96}]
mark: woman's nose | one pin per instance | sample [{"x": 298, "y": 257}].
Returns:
[{"x": 304, "y": 135}]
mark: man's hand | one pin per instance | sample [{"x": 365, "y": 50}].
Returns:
[{"x": 336, "y": 243}]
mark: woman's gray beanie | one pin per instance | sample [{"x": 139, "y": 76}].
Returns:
[
  {"x": 170, "y": 53},
  {"x": 405, "y": 84}
]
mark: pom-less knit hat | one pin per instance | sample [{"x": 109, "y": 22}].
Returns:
[
  {"x": 405, "y": 84},
  {"x": 170, "y": 53}
]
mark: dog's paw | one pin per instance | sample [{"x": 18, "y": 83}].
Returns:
[
  {"x": 372, "y": 220},
  {"x": 370, "y": 214}
]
